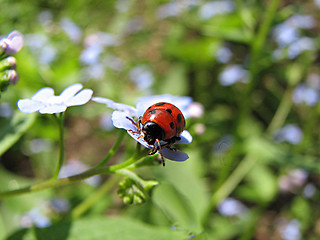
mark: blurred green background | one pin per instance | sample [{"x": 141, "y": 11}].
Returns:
[{"x": 251, "y": 66}]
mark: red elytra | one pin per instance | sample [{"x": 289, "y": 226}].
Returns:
[
  {"x": 161, "y": 122},
  {"x": 167, "y": 116}
]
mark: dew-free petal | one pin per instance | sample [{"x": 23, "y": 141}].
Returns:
[
  {"x": 43, "y": 94},
  {"x": 174, "y": 155},
  {"x": 29, "y": 106},
  {"x": 81, "y": 98},
  {"x": 54, "y": 108},
  {"x": 116, "y": 106},
  {"x": 119, "y": 120},
  {"x": 139, "y": 139},
  {"x": 186, "y": 138},
  {"x": 70, "y": 91}
]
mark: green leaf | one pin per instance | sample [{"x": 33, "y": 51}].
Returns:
[
  {"x": 199, "y": 51},
  {"x": 228, "y": 27},
  {"x": 183, "y": 194},
  {"x": 12, "y": 129},
  {"x": 103, "y": 228},
  {"x": 262, "y": 185},
  {"x": 175, "y": 205},
  {"x": 176, "y": 75}
]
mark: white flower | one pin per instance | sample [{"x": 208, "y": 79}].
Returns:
[
  {"x": 45, "y": 101},
  {"x": 123, "y": 112}
]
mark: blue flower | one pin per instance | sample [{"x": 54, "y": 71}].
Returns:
[
  {"x": 142, "y": 77},
  {"x": 45, "y": 101},
  {"x": 35, "y": 217},
  {"x": 231, "y": 207},
  {"x": 73, "y": 31},
  {"x": 290, "y": 133},
  {"x": 292, "y": 230},
  {"x": 303, "y": 94},
  {"x": 210, "y": 9},
  {"x": 232, "y": 74},
  {"x": 123, "y": 112}
]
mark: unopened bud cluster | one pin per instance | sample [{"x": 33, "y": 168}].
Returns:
[
  {"x": 8, "y": 46},
  {"x": 130, "y": 192}
]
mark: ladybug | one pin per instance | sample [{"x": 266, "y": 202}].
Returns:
[{"x": 162, "y": 121}]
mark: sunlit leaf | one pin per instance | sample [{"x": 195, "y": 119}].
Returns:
[
  {"x": 12, "y": 129},
  {"x": 99, "y": 228}
]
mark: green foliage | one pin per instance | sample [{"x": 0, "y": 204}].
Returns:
[
  {"x": 237, "y": 154},
  {"x": 12, "y": 129},
  {"x": 98, "y": 228}
]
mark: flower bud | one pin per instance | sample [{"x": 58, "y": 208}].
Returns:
[
  {"x": 12, "y": 43},
  {"x": 8, "y": 63},
  {"x": 130, "y": 192},
  {"x": 8, "y": 77}
]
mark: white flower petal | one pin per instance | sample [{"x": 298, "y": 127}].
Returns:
[
  {"x": 54, "y": 108},
  {"x": 186, "y": 138},
  {"x": 174, "y": 155},
  {"x": 139, "y": 138},
  {"x": 81, "y": 98},
  {"x": 29, "y": 106},
  {"x": 43, "y": 94},
  {"x": 120, "y": 120},
  {"x": 70, "y": 91},
  {"x": 116, "y": 106}
]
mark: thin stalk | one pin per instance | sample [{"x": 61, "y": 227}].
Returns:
[
  {"x": 281, "y": 113},
  {"x": 112, "y": 150},
  {"x": 232, "y": 182},
  {"x": 258, "y": 43},
  {"x": 95, "y": 197},
  {"x": 60, "y": 120},
  {"x": 53, "y": 183}
]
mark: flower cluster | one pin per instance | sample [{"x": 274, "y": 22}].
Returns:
[
  {"x": 46, "y": 102},
  {"x": 288, "y": 36},
  {"x": 8, "y": 46}
]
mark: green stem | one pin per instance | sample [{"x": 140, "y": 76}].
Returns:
[
  {"x": 93, "y": 198},
  {"x": 281, "y": 113},
  {"x": 112, "y": 150},
  {"x": 131, "y": 175},
  {"x": 60, "y": 120},
  {"x": 258, "y": 43},
  {"x": 68, "y": 180},
  {"x": 232, "y": 182}
]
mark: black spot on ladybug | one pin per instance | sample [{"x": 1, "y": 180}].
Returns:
[
  {"x": 160, "y": 104},
  {"x": 152, "y": 111},
  {"x": 149, "y": 107},
  {"x": 172, "y": 125},
  {"x": 179, "y": 117},
  {"x": 169, "y": 110}
]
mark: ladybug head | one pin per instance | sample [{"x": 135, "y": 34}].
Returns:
[{"x": 152, "y": 131}]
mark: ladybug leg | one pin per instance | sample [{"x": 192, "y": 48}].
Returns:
[
  {"x": 158, "y": 148},
  {"x": 137, "y": 124},
  {"x": 170, "y": 142}
]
